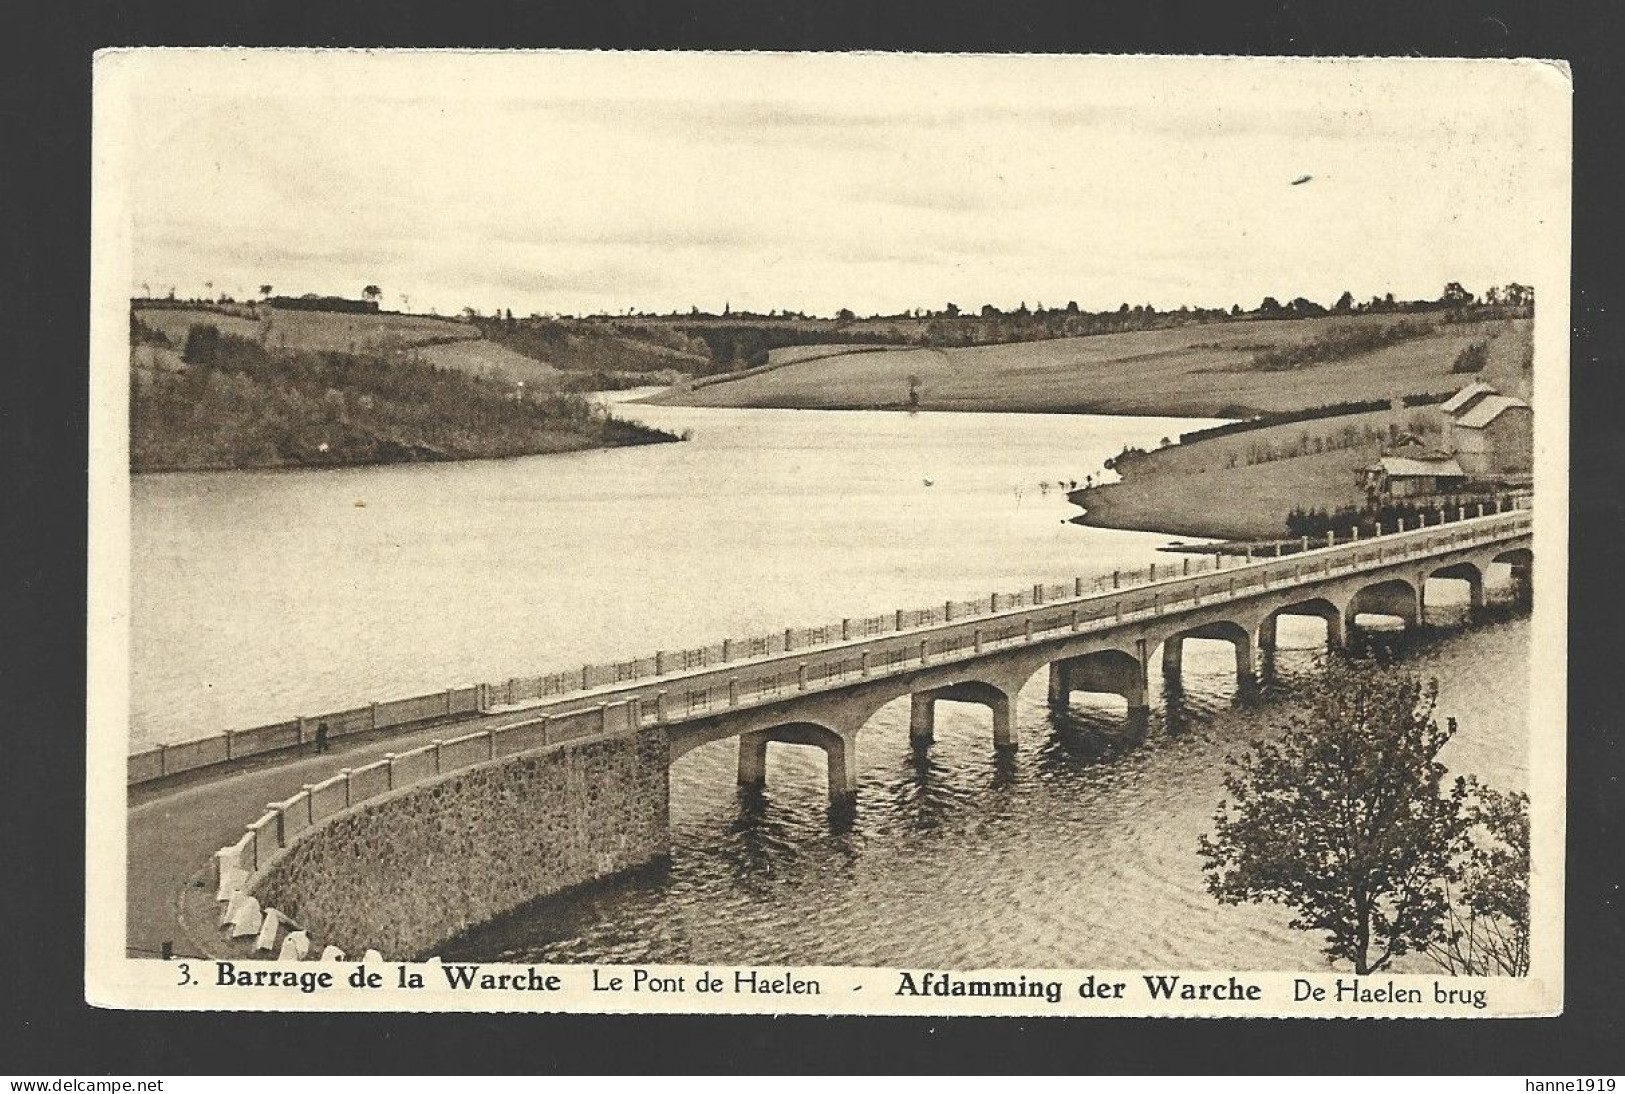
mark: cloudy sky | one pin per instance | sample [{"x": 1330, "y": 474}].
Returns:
[{"x": 599, "y": 182}]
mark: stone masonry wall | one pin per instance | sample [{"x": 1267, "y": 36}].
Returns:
[{"x": 406, "y": 872}]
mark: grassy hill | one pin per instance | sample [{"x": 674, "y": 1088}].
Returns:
[
  {"x": 236, "y": 399},
  {"x": 602, "y": 347},
  {"x": 343, "y": 332},
  {"x": 479, "y": 357},
  {"x": 546, "y": 355},
  {"x": 1231, "y": 369},
  {"x": 1242, "y": 486}
]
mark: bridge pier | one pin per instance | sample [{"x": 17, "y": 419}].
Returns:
[
  {"x": 1243, "y": 645},
  {"x": 839, "y": 748},
  {"x": 753, "y": 759},
  {"x": 1396, "y": 597},
  {"x": 1111, "y": 671},
  {"x": 1004, "y": 725},
  {"x": 1336, "y": 635},
  {"x": 1059, "y": 686},
  {"x": 1239, "y": 637},
  {"x": 1173, "y": 658},
  {"x": 922, "y": 720},
  {"x": 1523, "y": 584}
]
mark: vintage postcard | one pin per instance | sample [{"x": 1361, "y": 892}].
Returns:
[{"x": 879, "y": 534}]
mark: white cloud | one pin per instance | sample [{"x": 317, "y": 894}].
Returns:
[{"x": 570, "y": 182}]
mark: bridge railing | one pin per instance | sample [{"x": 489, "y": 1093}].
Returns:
[
  {"x": 415, "y": 711},
  {"x": 782, "y": 674},
  {"x": 463, "y": 702},
  {"x": 680, "y": 663}
]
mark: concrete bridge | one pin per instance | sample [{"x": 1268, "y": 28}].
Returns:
[
  {"x": 1099, "y": 643},
  {"x": 541, "y": 796}
]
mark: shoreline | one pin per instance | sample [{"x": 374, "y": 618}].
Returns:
[
  {"x": 1074, "y": 409},
  {"x": 404, "y": 461},
  {"x": 1091, "y": 518}
]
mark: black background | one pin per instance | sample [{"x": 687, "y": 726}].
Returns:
[{"x": 45, "y": 1028}]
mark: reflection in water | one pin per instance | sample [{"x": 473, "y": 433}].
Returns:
[
  {"x": 1077, "y": 849},
  {"x": 1081, "y": 739}
]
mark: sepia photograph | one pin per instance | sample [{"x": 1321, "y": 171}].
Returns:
[{"x": 837, "y": 533}]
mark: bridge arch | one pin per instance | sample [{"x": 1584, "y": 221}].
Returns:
[
  {"x": 1522, "y": 561},
  {"x": 1461, "y": 571},
  {"x": 1239, "y": 636},
  {"x": 1112, "y": 671},
  {"x": 1395, "y": 596},
  {"x": 1001, "y": 701},
  {"x": 1318, "y": 607},
  {"x": 839, "y": 747}
]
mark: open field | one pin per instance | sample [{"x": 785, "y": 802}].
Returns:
[
  {"x": 344, "y": 332},
  {"x": 787, "y": 355},
  {"x": 173, "y": 323},
  {"x": 1210, "y": 488},
  {"x": 1200, "y": 370},
  {"x": 599, "y": 346},
  {"x": 482, "y": 358},
  {"x": 575, "y": 356},
  {"x": 354, "y": 333},
  {"x": 441, "y": 342}
]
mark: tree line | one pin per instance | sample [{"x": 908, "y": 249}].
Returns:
[
  {"x": 1338, "y": 343},
  {"x": 1386, "y": 515},
  {"x": 737, "y": 340}
]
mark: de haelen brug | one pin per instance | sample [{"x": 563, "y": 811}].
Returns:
[
  {"x": 1090, "y": 644},
  {"x": 600, "y": 757}
]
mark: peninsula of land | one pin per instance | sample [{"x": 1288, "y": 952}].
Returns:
[
  {"x": 1288, "y": 474},
  {"x": 223, "y": 386}
]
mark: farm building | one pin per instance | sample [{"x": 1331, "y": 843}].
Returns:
[
  {"x": 1464, "y": 399},
  {"x": 1412, "y": 473},
  {"x": 1493, "y": 435}
]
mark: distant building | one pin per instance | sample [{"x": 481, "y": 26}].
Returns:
[
  {"x": 1413, "y": 472},
  {"x": 1494, "y": 436},
  {"x": 1464, "y": 399},
  {"x": 1491, "y": 434}
]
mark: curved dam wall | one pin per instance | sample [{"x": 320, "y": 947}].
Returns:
[{"x": 409, "y": 870}]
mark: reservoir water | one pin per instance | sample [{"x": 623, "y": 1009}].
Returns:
[{"x": 262, "y": 595}]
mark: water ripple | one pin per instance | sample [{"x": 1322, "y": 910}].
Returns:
[{"x": 1079, "y": 849}]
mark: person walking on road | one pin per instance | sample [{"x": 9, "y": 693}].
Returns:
[{"x": 321, "y": 736}]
